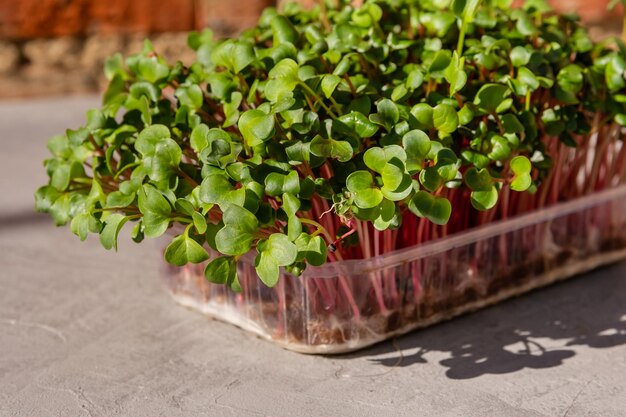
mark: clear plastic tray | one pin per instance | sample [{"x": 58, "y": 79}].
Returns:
[{"x": 344, "y": 306}]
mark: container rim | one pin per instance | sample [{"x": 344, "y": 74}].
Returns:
[{"x": 398, "y": 257}]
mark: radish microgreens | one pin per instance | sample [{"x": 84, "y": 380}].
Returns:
[{"x": 294, "y": 137}]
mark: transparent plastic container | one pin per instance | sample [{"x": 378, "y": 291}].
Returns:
[{"x": 344, "y": 306}]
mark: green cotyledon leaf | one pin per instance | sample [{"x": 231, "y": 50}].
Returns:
[
  {"x": 256, "y": 126},
  {"x": 521, "y": 167},
  {"x": 330, "y": 148},
  {"x": 277, "y": 251},
  {"x": 416, "y": 144},
  {"x": 156, "y": 211},
  {"x": 313, "y": 249},
  {"x": 239, "y": 231},
  {"x": 361, "y": 185},
  {"x": 221, "y": 270},
  {"x": 387, "y": 115},
  {"x": 112, "y": 226},
  {"x": 161, "y": 154},
  {"x": 436, "y": 209},
  {"x": 183, "y": 250}
]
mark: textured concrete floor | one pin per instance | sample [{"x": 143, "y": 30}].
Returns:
[{"x": 85, "y": 332}]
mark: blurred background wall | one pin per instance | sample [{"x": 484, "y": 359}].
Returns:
[{"x": 58, "y": 46}]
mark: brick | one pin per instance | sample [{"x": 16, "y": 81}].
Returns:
[
  {"x": 592, "y": 12},
  {"x": 9, "y": 57},
  {"x": 229, "y": 17},
  {"x": 31, "y": 19},
  {"x": 27, "y": 19},
  {"x": 146, "y": 16}
]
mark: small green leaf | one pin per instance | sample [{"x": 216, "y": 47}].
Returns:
[
  {"x": 614, "y": 73},
  {"x": 281, "y": 249},
  {"x": 155, "y": 209},
  {"x": 221, "y": 270},
  {"x": 440, "y": 61},
  {"x": 521, "y": 182},
  {"x": 519, "y": 56},
  {"x": 233, "y": 240},
  {"x": 233, "y": 55},
  {"x": 423, "y": 114},
  {"x": 436, "y": 209},
  {"x": 478, "y": 179},
  {"x": 190, "y": 96},
  {"x": 416, "y": 145},
  {"x": 446, "y": 164},
  {"x": 484, "y": 200},
  {"x": 570, "y": 78},
  {"x": 277, "y": 184},
  {"x": 277, "y": 251},
  {"x": 119, "y": 199},
  {"x": 291, "y": 204},
  {"x": 283, "y": 30},
  {"x": 466, "y": 115},
  {"x": 527, "y": 79},
  {"x": 387, "y": 115},
  {"x": 184, "y": 206},
  {"x": 294, "y": 228},
  {"x": 236, "y": 215},
  {"x": 359, "y": 123},
  {"x": 199, "y": 222},
  {"x": 430, "y": 178},
  {"x": 112, "y": 226},
  {"x": 313, "y": 249},
  {"x": 151, "y": 69},
  {"x": 455, "y": 74},
  {"x": 384, "y": 215},
  {"x": 161, "y": 154},
  {"x": 150, "y": 137},
  {"x": 399, "y": 93},
  {"x": 256, "y": 126},
  {"x": 240, "y": 228},
  {"x": 183, "y": 250},
  {"x": 392, "y": 174},
  {"x": 283, "y": 79},
  {"x": 267, "y": 269},
  {"x": 445, "y": 118},
  {"x": 500, "y": 148},
  {"x": 330, "y": 148},
  {"x": 199, "y": 138},
  {"x": 414, "y": 79},
  {"x": 375, "y": 159},
  {"x": 367, "y": 15},
  {"x": 46, "y": 200},
  {"x": 217, "y": 189},
  {"x": 490, "y": 97},
  {"x": 511, "y": 124},
  {"x": 361, "y": 185},
  {"x": 521, "y": 167},
  {"x": 84, "y": 223},
  {"x": 329, "y": 84}
]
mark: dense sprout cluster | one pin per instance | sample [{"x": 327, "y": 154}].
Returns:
[{"x": 365, "y": 113}]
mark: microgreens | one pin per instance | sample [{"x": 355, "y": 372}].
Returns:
[{"x": 357, "y": 115}]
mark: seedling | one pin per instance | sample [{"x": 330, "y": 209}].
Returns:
[{"x": 340, "y": 133}]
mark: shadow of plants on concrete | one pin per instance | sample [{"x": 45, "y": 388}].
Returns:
[{"x": 538, "y": 330}]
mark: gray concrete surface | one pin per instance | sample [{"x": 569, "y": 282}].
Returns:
[{"x": 85, "y": 332}]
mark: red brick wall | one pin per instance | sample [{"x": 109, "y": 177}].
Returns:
[{"x": 27, "y": 19}]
